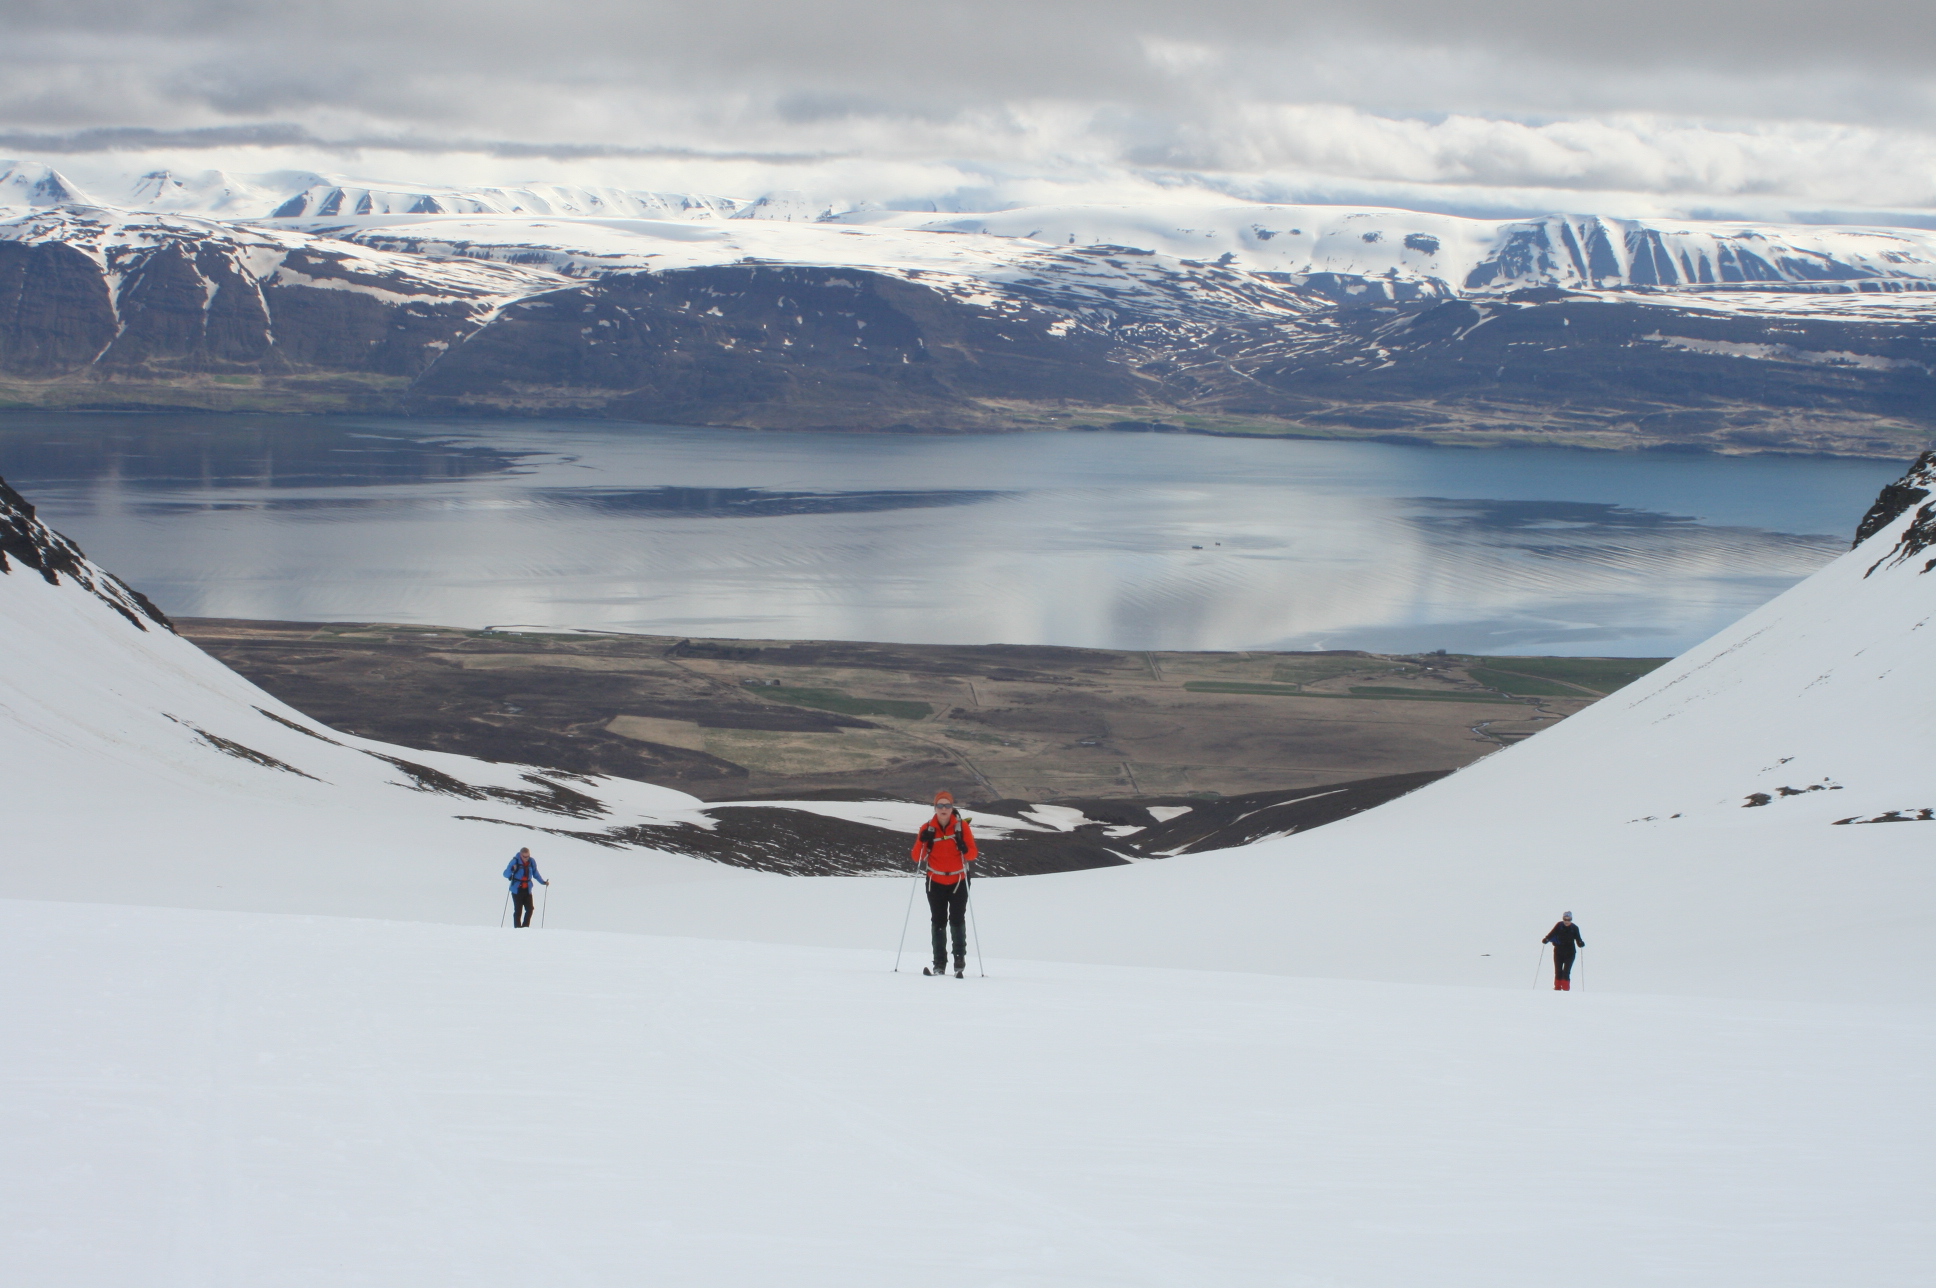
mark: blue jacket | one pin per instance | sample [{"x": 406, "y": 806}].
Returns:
[{"x": 521, "y": 872}]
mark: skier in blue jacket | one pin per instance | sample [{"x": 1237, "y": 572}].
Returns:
[{"x": 521, "y": 872}]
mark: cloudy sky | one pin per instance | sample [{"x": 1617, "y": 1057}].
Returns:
[{"x": 1692, "y": 107}]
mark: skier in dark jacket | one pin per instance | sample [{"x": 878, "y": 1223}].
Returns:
[
  {"x": 521, "y": 872},
  {"x": 1565, "y": 938},
  {"x": 944, "y": 850}
]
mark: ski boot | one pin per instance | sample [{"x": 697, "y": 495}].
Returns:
[
  {"x": 937, "y": 970},
  {"x": 961, "y": 968}
]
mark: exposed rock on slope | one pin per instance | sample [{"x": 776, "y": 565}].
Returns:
[
  {"x": 101, "y": 308},
  {"x": 1896, "y": 499},
  {"x": 26, "y": 539},
  {"x": 796, "y": 347}
]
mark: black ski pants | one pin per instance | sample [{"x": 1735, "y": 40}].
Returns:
[
  {"x": 948, "y": 906},
  {"x": 1562, "y": 966},
  {"x": 521, "y": 907}
]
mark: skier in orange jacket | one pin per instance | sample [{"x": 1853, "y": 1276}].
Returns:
[{"x": 944, "y": 850}]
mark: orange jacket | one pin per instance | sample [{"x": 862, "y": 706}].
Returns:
[{"x": 948, "y": 851}]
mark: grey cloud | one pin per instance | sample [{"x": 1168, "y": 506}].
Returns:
[
  {"x": 143, "y": 139},
  {"x": 283, "y": 135},
  {"x": 849, "y": 33},
  {"x": 1138, "y": 50}
]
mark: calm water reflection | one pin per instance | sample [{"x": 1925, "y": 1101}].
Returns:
[{"x": 1127, "y": 541}]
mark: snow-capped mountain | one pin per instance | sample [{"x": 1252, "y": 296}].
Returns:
[
  {"x": 1231, "y": 319},
  {"x": 216, "y": 192},
  {"x": 304, "y": 194},
  {"x": 325, "y": 200},
  {"x": 29, "y": 183},
  {"x": 1438, "y": 254},
  {"x": 1458, "y": 255},
  {"x": 1474, "y": 256},
  {"x": 789, "y": 207}
]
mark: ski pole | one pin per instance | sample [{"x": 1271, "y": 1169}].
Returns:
[
  {"x": 1578, "y": 959},
  {"x": 968, "y": 897},
  {"x": 547, "y": 906},
  {"x": 1539, "y": 962},
  {"x": 905, "y": 918},
  {"x": 507, "y": 908}
]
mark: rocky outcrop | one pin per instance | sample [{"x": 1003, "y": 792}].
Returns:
[
  {"x": 25, "y": 539},
  {"x": 1919, "y": 534},
  {"x": 1895, "y": 499}
]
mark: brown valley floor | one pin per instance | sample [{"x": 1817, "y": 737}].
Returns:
[{"x": 733, "y": 719}]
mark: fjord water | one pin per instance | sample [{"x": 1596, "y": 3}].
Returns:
[{"x": 1107, "y": 540}]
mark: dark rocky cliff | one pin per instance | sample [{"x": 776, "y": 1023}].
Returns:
[
  {"x": 104, "y": 310},
  {"x": 775, "y": 346}
]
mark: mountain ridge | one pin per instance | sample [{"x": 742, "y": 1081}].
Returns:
[{"x": 1312, "y": 321}]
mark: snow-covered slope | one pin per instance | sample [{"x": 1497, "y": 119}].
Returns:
[
  {"x": 136, "y": 767},
  {"x": 1573, "y": 252},
  {"x": 193, "y": 1099},
  {"x": 978, "y": 269},
  {"x": 1435, "y": 254}
]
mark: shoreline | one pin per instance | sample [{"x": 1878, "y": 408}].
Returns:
[{"x": 1913, "y": 440}]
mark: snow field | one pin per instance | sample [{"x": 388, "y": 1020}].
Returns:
[{"x": 267, "y": 1100}]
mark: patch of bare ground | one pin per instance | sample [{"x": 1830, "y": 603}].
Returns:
[{"x": 1158, "y": 753}]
